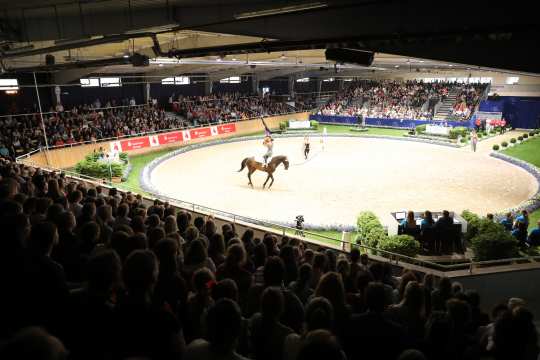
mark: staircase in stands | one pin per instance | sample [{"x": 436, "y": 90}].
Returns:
[{"x": 445, "y": 110}]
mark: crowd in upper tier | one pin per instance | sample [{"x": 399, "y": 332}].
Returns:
[
  {"x": 20, "y": 134},
  {"x": 401, "y": 100},
  {"x": 227, "y": 107},
  {"x": 94, "y": 273},
  {"x": 466, "y": 100}
]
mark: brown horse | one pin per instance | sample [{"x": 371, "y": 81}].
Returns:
[{"x": 253, "y": 165}]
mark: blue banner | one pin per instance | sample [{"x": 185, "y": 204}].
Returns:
[{"x": 395, "y": 123}]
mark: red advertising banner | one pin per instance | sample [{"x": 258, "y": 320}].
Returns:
[
  {"x": 169, "y": 138},
  {"x": 136, "y": 143},
  {"x": 226, "y": 128},
  {"x": 200, "y": 133}
]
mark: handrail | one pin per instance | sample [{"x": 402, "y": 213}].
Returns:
[{"x": 287, "y": 230}]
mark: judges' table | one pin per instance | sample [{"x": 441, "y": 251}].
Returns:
[{"x": 438, "y": 130}]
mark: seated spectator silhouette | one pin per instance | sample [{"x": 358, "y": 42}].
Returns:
[
  {"x": 44, "y": 295},
  {"x": 33, "y": 343},
  {"x": 319, "y": 315},
  {"x": 88, "y": 331},
  {"x": 301, "y": 287},
  {"x": 321, "y": 344},
  {"x": 380, "y": 338},
  {"x": 267, "y": 332},
  {"x": 141, "y": 329},
  {"x": 220, "y": 340}
]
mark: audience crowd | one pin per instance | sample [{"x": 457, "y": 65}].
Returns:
[
  {"x": 91, "y": 273},
  {"x": 400, "y": 100},
  {"x": 467, "y": 98},
  {"x": 20, "y": 134},
  {"x": 218, "y": 108}
]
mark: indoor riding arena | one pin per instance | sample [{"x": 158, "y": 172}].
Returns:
[
  {"x": 345, "y": 177},
  {"x": 269, "y": 180}
]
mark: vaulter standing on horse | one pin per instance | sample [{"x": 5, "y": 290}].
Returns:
[{"x": 268, "y": 142}]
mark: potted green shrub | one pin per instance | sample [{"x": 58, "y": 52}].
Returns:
[
  {"x": 420, "y": 129},
  {"x": 492, "y": 242},
  {"x": 400, "y": 244},
  {"x": 370, "y": 230},
  {"x": 496, "y": 147},
  {"x": 463, "y": 140},
  {"x": 531, "y": 133},
  {"x": 513, "y": 140},
  {"x": 504, "y": 144},
  {"x": 520, "y": 138},
  {"x": 314, "y": 124}
]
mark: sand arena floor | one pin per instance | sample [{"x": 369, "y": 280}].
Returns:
[{"x": 348, "y": 176}]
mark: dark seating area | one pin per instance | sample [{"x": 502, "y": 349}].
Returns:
[{"x": 95, "y": 273}]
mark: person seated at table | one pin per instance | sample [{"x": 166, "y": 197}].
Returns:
[
  {"x": 508, "y": 221},
  {"x": 427, "y": 221},
  {"x": 408, "y": 225},
  {"x": 534, "y": 236},
  {"x": 443, "y": 228},
  {"x": 524, "y": 218},
  {"x": 520, "y": 232}
]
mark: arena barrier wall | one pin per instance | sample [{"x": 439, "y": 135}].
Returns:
[
  {"x": 69, "y": 156},
  {"x": 394, "y": 123}
]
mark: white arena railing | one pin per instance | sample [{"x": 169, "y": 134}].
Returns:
[{"x": 311, "y": 238}]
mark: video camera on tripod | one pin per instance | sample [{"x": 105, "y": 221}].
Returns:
[{"x": 299, "y": 225}]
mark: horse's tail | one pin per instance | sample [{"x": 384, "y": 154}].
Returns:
[{"x": 244, "y": 162}]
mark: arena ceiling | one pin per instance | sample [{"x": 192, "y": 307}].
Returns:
[{"x": 99, "y": 36}]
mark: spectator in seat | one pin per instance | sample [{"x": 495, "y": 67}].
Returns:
[
  {"x": 141, "y": 329},
  {"x": 198, "y": 302},
  {"x": 221, "y": 341},
  {"x": 319, "y": 315},
  {"x": 89, "y": 329},
  {"x": 171, "y": 288},
  {"x": 216, "y": 249},
  {"x": 410, "y": 312},
  {"x": 534, "y": 236},
  {"x": 122, "y": 217},
  {"x": 267, "y": 332},
  {"x": 321, "y": 344},
  {"x": 33, "y": 343},
  {"x": 233, "y": 269},
  {"x": 197, "y": 258},
  {"x": 273, "y": 275},
  {"x": 440, "y": 295},
  {"x": 301, "y": 287},
  {"x": 331, "y": 287},
  {"x": 43, "y": 279},
  {"x": 380, "y": 337}
]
